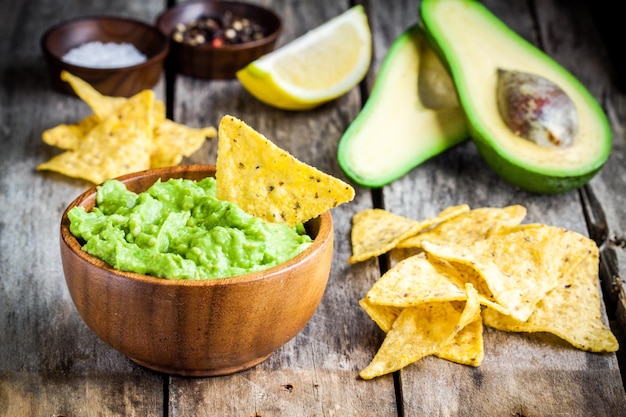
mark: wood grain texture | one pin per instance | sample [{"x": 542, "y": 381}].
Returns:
[
  {"x": 321, "y": 364},
  {"x": 610, "y": 184},
  {"x": 51, "y": 364},
  {"x": 505, "y": 383}
]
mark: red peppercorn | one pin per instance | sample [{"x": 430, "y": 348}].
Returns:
[{"x": 218, "y": 31}]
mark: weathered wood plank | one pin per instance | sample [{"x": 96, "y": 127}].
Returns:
[
  {"x": 580, "y": 47},
  {"x": 316, "y": 373},
  {"x": 50, "y": 362},
  {"x": 610, "y": 184},
  {"x": 521, "y": 374}
]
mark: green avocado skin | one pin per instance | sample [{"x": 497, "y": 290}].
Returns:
[
  {"x": 529, "y": 177},
  {"x": 526, "y": 179},
  {"x": 395, "y": 131}
]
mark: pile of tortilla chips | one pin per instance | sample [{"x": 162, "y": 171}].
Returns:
[
  {"x": 466, "y": 268},
  {"x": 121, "y": 136}
]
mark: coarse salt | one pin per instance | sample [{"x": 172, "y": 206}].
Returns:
[{"x": 104, "y": 55}]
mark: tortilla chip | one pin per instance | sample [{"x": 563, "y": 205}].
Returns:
[
  {"x": 376, "y": 231},
  {"x": 444, "y": 215},
  {"x": 383, "y": 316},
  {"x": 268, "y": 182},
  {"x": 462, "y": 274},
  {"x": 417, "y": 332},
  {"x": 68, "y": 136},
  {"x": 571, "y": 311},
  {"x": 519, "y": 268},
  {"x": 173, "y": 142},
  {"x": 411, "y": 282},
  {"x": 169, "y": 142},
  {"x": 502, "y": 229},
  {"x": 471, "y": 309},
  {"x": 396, "y": 255},
  {"x": 469, "y": 227},
  {"x": 421, "y": 331},
  {"x": 101, "y": 105},
  {"x": 467, "y": 347},
  {"x": 118, "y": 145}
]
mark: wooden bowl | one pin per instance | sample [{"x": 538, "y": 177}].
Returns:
[
  {"x": 122, "y": 82},
  {"x": 195, "y": 328},
  {"x": 206, "y": 61}
]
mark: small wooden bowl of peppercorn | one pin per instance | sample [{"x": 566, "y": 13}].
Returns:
[
  {"x": 118, "y": 56},
  {"x": 215, "y": 39}
]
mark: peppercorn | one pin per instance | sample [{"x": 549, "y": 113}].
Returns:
[{"x": 227, "y": 29}]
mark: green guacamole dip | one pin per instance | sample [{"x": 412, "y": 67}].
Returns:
[{"x": 178, "y": 229}]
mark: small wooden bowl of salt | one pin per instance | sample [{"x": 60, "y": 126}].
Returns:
[{"x": 117, "y": 56}]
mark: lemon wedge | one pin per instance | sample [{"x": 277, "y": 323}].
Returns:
[{"x": 317, "y": 67}]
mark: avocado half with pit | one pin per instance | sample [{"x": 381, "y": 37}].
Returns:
[
  {"x": 411, "y": 115},
  {"x": 478, "y": 50}
]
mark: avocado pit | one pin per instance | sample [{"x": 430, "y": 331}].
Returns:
[{"x": 536, "y": 109}]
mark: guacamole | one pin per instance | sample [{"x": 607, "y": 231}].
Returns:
[{"x": 178, "y": 229}]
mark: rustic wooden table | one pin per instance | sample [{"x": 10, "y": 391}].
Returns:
[{"x": 51, "y": 364}]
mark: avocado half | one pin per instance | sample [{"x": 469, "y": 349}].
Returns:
[
  {"x": 411, "y": 115},
  {"x": 475, "y": 45}
]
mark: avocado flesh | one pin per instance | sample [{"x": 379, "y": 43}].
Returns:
[
  {"x": 396, "y": 131},
  {"x": 475, "y": 44}
]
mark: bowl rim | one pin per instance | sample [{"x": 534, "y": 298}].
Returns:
[
  {"x": 271, "y": 37},
  {"x": 163, "y": 51},
  {"x": 324, "y": 234}
]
